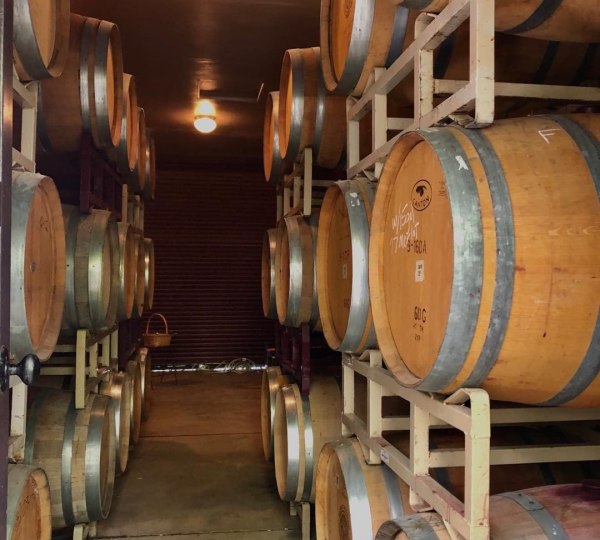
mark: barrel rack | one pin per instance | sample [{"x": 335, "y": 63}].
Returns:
[
  {"x": 475, "y": 95},
  {"x": 23, "y": 158},
  {"x": 467, "y": 410}
]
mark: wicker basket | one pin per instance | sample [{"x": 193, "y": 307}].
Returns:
[{"x": 157, "y": 339}]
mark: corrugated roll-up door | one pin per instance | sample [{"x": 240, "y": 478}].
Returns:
[{"x": 207, "y": 226}]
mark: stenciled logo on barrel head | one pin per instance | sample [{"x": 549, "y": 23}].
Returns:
[{"x": 421, "y": 195}]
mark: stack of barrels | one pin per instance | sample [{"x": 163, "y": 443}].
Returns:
[
  {"x": 74, "y": 270},
  {"x": 473, "y": 249}
]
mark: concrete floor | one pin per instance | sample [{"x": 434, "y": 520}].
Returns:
[{"x": 198, "y": 472}]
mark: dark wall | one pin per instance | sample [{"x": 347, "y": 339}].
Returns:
[{"x": 207, "y": 226}]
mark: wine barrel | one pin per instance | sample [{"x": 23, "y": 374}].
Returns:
[
  {"x": 88, "y": 96},
  {"x": 37, "y": 268},
  {"x": 356, "y": 498},
  {"x": 76, "y": 448},
  {"x": 28, "y": 512},
  {"x": 119, "y": 388},
  {"x": 272, "y": 380},
  {"x": 127, "y": 262},
  {"x": 134, "y": 370},
  {"x": 564, "y": 20},
  {"x": 301, "y": 426},
  {"x": 92, "y": 290},
  {"x": 547, "y": 512},
  {"x": 373, "y": 33},
  {"x": 294, "y": 271},
  {"x": 139, "y": 256},
  {"x": 309, "y": 116},
  {"x": 268, "y": 274},
  {"x": 481, "y": 251},
  {"x": 137, "y": 179},
  {"x": 342, "y": 266},
  {"x": 148, "y": 273},
  {"x": 145, "y": 361},
  {"x": 127, "y": 151},
  {"x": 150, "y": 184},
  {"x": 272, "y": 163},
  {"x": 41, "y": 38}
]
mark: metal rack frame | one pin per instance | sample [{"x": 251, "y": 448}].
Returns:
[
  {"x": 467, "y": 410},
  {"x": 477, "y": 94}
]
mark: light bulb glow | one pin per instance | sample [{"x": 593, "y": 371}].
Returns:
[{"x": 205, "y": 116}]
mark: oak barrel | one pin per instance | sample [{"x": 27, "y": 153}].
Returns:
[
  {"x": 481, "y": 252},
  {"x": 134, "y": 370},
  {"x": 301, "y": 426},
  {"x": 268, "y": 273},
  {"x": 360, "y": 35},
  {"x": 37, "y": 265},
  {"x": 88, "y": 96},
  {"x": 93, "y": 256},
  {"x": 28, "y": 512},
  {"x": 127, "y": 151},
  {"x": 562, "y": 20},
  {"x": 76, "y": 448},
  {"x": 272, "y": 380},
  {"x": 294, "y": 272},
  {"x": 148, "y": 273},
  {"x": 354, "y": 498},
  {"x": 150, "y": 184},
  {"x": 139, "y": 256},
  {"x": 272, "y": 163},
  {"x": 342, "y": 266},
  {"x": 127, "y": 271},
  {"x": 137, "y": 179},
  {"x": 547, "y": 512},
  {"x": 119, "y": 388},
  {"x": 309, "y": 115},
  {"x": 41, "y": 38}
]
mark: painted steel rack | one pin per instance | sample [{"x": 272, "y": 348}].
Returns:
[
  {"x": 476, "y": 95},
  {"x": 467, "y": 410}
]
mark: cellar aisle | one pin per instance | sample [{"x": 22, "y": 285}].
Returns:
[{"x": 198, "y": 472}]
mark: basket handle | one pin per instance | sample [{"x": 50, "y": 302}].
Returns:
[{"x": 164, "y": 321}]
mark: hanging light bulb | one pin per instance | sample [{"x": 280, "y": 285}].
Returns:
[{"x": 205, "y": 116}]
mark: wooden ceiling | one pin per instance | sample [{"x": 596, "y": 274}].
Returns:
[{"x": 231, "y": 46}]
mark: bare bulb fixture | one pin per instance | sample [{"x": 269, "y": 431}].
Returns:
[{"x": 205, "y": 116}]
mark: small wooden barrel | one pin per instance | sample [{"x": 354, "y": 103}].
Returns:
[
  {"x": 139, "y": 256},
  {"x": 565, "y": 20},
  {"x": 481, "y": 251},
  {"x": 272, "y": 163},
  {"x": 356, "y": 37},
  {"x": 145, "y": 361},
  {"x": 134, "y": 369},
  {"x": 352, "y": 498},
  {"x": 76, "y": 448},
  {"x": 29, "y": 513},
  {"x": 88, "y": 96},
  {"x": 268, "y": 274},
  {"x": 342, "y": 266},
  {"x": 150, "y": 184},
  {"x": 302, "y": 425},
  {"x": 272, "y": 381},
  {"x": 309, "y": 116},
  {"x": 41, "y": 38},
  {"x": 92, "y": 290},
  {"x": 119, "y": 388},
  {"x": 137, "y": 179},
  {"x": 127, "y": 270},
  {"x": 148, "y": 273},
  {"x": 294, "y": 272},
  {"x": 37, "y": 265},
  {"x": 127, "y": 151},
  {"x": 563, "y": 511}
]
